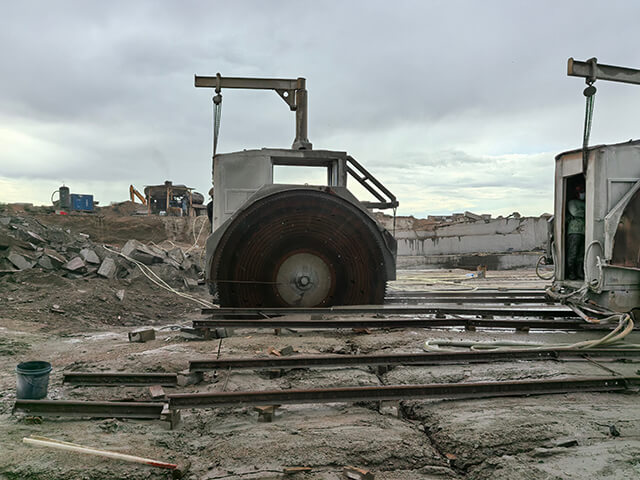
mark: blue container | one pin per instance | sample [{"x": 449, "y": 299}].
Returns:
[
  {"x": 32, "y": 380},
  {"x": 82, "y": 202}
]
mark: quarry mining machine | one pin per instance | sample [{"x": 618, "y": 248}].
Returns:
[
  {"x": 609, "y": 176},
  {"x": 303, "y": 245}
]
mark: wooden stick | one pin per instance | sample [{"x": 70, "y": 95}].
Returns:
[{"x": 60, "y": 445}]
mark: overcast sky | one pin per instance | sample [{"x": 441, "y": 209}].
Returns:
[{"x": 454, "y": 105}]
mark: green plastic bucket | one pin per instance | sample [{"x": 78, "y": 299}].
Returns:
[{"x": 32, "y": 380}]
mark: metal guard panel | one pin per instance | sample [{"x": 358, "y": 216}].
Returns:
[{"x": 626, "y": 242}]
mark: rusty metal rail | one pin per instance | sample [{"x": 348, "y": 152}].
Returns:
[
  {"x": 399, "y": 299},
  {"x": 469, "y": 323},
  {"x": 451, "y": 391},
  {"x": 551, "y": 311},
  {"x": 489, "y": 293},
  {"x": 70, "y": 408},
  {"x": 107, "y": 379},
  {"x": 392, "y": 359}
]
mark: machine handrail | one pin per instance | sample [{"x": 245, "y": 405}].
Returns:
[{"x": 382, "y": 193}]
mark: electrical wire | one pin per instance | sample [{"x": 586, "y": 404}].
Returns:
[
  {"x": 612, "y": 339},
  {"x": 147, "y": 272}
]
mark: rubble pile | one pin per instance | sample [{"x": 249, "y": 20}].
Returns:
[{"x": 26, "y": 243}]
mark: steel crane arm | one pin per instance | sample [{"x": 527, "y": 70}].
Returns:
[
  {"x": 292, "y": 91},
  {"x": 593, "y": 70}
]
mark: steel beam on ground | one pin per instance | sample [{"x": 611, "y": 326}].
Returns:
[
  {"x": 506, "y": 311},
  {"x": 470, "y": 293},
  {"x": 70, "y": 408},
  {"x": 106, "y": 379},
  {"x": 288, "y": 322},
  {"x": 390, "y": 359},
  {"x": 416, "y": 299},
  {"x": 402, "y": 392}
]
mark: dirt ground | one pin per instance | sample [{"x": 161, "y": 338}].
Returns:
[{"x": 546, "y": 437}]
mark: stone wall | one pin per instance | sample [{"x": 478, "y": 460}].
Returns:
[{"x": 468, "y": 242}]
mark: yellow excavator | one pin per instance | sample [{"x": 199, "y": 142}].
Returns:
[{"x": 133, "y": 193}]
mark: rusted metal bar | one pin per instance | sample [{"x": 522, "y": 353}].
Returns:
[
  {"x": 481, "y": 292},
  {"x": 288, "y": 322},
  {"x": 507, "y": 311},
  {"x": 391, "y": 359},
  {"x": 70, "y": 408},
  {"x": 416, "y": 299},
  {"x": 453, "y": 391},
  {"x": 120, "y": 378}
]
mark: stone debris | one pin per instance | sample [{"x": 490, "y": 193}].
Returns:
[
  {"x": 76, "y": 264},
  {"x": 140, "y": 252},
  {"x": 156, "y": 392},
  {"x": 120, "y": 294},
  {"x": 108, "y": 268},
  {"x": 89, "y": 256},
  {"x": 26, "y": 243},
  {"x": 142, "y": 335},
  {"x": 20, "y": 262}
]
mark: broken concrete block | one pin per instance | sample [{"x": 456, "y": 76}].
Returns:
[
  {"x": 285, "y": 351},
  {"x": 156, "y": 392},
  {"x": 140, "y": 252},
  {"x": 142, "y": 335},
  {"x": 74, "y": 265},
  {"x": 120, "y": 295},
  {"x": 34, "y": 238},
  {"x": 19, "y": 261},
  {"x": 190, "y": 283},
  {"x": 108, "y": 268},
  {"x": 45, "y": 262},
  {"x": 56, "y": 259},
  {"x": 176, "y": 255},
  {"x": 187, "y": 264},
  {"x": 266, "y": 413},
  {"x": 89, "y": 256}
]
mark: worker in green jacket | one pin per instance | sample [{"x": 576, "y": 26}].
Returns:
[{"x": 575, "y": 235}]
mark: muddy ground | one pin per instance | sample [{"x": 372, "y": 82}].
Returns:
[{"x": 547, "y": 437}]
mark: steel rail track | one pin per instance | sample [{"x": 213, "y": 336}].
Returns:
[
  {"x": 403, "y": 392},
  {"x": 538, "y": 311},
  {"x": 490, "y": 293},
  {"x": 392, "y": 359},
  {"x": 70, "y": 408},
  {"x": 418, "y": 299},
  {"x": 95, "y": 379},
  {"x": 468, "y": 323}
]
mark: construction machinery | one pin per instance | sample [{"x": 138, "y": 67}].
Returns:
[
  {"x": 173, "y": 200},
  {"x": 609, "y": 176},
  {"x": 284, "y": 245},
  {"x": 133, "y": 193}
]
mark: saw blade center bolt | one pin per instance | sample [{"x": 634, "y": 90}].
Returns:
[{"x": 303, "y": 281}]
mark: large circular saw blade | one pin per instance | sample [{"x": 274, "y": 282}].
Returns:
[{"x": 305, "y": 248}]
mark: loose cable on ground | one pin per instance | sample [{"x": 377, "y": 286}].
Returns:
[{"x": 147, "y": 272}]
